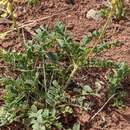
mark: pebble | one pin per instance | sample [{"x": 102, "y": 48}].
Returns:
[{"x": 93, "y": 14}]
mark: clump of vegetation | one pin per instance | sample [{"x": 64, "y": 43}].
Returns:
[
  {"x": 38, "y": 95},
  {"x": 8, "y": 10},
  {"x": 116, "y": 8},
  {"x": 32, "y": 1}
]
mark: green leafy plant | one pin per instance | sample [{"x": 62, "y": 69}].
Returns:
[
  {"x": 39, "y": 95},
  {"x": 6, "y": 117},
  {"x": 43, "y": 119},
  {"x": 115, "y": 80}
]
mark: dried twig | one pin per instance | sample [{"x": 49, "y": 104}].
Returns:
[
  {"x": 101, "y": 108},
  {"x": 30, "y": 22},
  {"x": 7, "y": 21}
]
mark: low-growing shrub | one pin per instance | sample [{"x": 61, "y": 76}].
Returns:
[{"x": 38, "y": 96}]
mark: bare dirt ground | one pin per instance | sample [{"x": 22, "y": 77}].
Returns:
[{"x": 73, "y": 15}]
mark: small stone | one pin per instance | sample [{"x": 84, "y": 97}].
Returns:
[{"x": 93, "y": 14}]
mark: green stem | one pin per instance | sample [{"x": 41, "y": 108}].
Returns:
[
  {"x": 102, "y": 33},
  {"x": 76, "y": 67}
]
